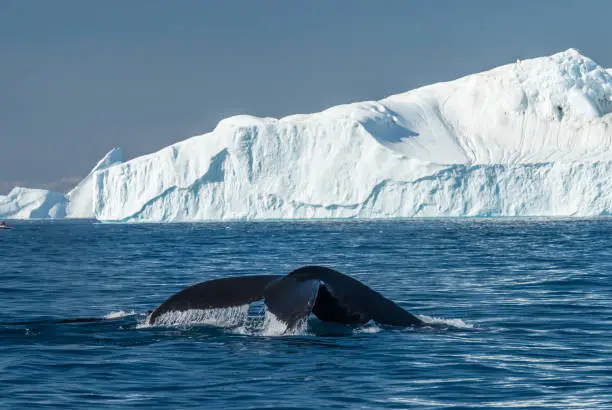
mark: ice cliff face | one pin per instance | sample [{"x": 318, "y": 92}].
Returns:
[
  {"x": 27, "y": 203},
  {"x": 80, "y": 198},
  {"x": 530, "y": 138},
  {"x": 249, "y": 168}
]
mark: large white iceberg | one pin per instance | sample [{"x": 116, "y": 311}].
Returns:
[
  {"x": 529, "y": 138},
  {"x": 28, "y": 203}
]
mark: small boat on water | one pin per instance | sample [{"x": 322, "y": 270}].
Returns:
[{"x": 3, "y": 225}]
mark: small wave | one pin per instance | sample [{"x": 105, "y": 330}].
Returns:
[
  {"x": 458, "y": 323},
  {"x": 370, "y": 327},
  {"x": 119, "y": 314}
]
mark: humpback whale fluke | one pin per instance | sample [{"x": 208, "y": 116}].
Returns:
[{"x": 328, "y": 294}]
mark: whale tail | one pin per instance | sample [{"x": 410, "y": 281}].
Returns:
[{"x": 326, "y": 293}]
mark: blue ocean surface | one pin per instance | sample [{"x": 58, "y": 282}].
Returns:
[{"x": 519, "y": 313}]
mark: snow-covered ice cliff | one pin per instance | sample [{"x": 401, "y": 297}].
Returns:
[
  {"x": 529, "y": 138},
  {"x": 28, "y": 203},
  {"x": 80, "y": 198}
]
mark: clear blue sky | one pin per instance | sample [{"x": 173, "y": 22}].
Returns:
[{"x": 79, "y": 77}]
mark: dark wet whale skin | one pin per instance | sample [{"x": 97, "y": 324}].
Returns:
[
  {"x": 343, "y": 299},
  {"x": 327, "y": 293}
]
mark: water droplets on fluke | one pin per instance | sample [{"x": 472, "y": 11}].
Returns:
[
  {"x": 235, "y": 320},
  {"x": 224, "y": 318},
  {"x": 272, "y": 326}
]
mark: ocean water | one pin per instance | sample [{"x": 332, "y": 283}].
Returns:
[{"x": 520, "y": 315}]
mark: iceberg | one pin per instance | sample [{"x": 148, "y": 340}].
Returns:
[
  {"x": 532, "y": 138},
  {"x": 28, "y": 203}
]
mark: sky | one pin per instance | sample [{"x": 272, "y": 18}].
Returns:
[{"x": 80, "y": 77}]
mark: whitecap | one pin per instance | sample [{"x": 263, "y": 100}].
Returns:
[
  {"x": 119, "y": 314},
  {"x": 370, "y": 327},
  {"x": 457, "y": 323}
]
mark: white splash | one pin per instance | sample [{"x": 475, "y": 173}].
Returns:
[
  {"x": 224, "y": 318},
  {"x": 119, "y": 314},
  {"x": 458, "y": 323},
  {"x": 370, "y": 327}
]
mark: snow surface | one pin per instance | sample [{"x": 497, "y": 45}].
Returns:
[
  {"x": 530, "y": 138},
  {"x": 27, "y": 203}
]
